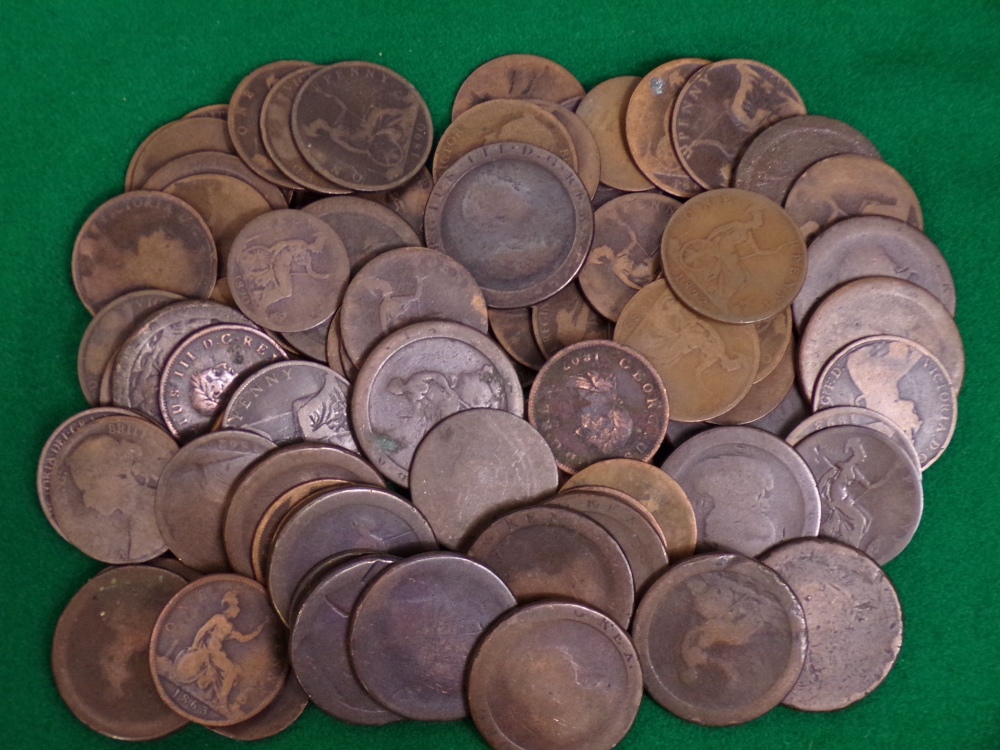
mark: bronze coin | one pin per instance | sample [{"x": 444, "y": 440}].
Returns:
[
  {"x": 547, "y": 552},
  {"x": 647, "y": 126},
  {"x": 856, "y": 415},
  {"x": 625, "y": 254},
  {"x": 869, "y": 488},
  {"x": 333, "y": 347},
  {"x": 319, "y": 644},
  {"x": 603, "y": 111},
  {"x": 416, "y": 377},
  {"x": 192, "y": 492},
  {"x": 764, "y": 395},
  {"x": 215, "y": 162},
  {"x": 566, "y": 318},
  {"x": 414, "y": 628},
  {"x": 842, "y": 186},
  {"x": 142, "y": 240},
  {"x": 218, "y": 111},
  {"x": 588, "y": 154},
  {"x": 775, "y": 336},
  {"x": 362, "y": 126},
  {"x": 516, "y": 77},
  {"x": 310, "y": 343},
  {"x": 785, "y": 416},
  {"x": 217, "y": 653},
  {"x": 554, "y": 675},
  {"x": 733, "y": 256},
  {"x": 319, "y": 572},
  {"x": 899, "y": 379},
  {"x": 288, "y": 270},
  {"x": 854, "y": 619},
  {"x": 279, "y": 715},
  {"x": 172, "y": 565},
  {"x": 597, "y": 400},
  {"x": 779, "y": 154},
  {"x": 720, "y": 110},
  {"x": 100, "y": 653},
  {"x": 176, "y": 139},
  {"x": 517, "y": 217},
  {"x": 408, "y": 200},
  {"x": 475, "y": 466},
  {"x": 513, "y": 330},
  {"x": 749, "y": 490},
  {"x": 103, "y": 487},
  {"x": 721, "y": 639},
  {"x": 605, "y": 194}
]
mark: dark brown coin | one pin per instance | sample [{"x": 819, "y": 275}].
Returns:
[
  {"x": 625, "y": 255},
  {"x": 418, "y": 376},
  {"x": 100, "y": 655},
  {"x": 192, "y": 492},
  {"x": 764, "y": 395},
  {"x": 588, "y": 153},
  {"x": 854, "y": 618},
  {"x": 215, "y": 162},
  {"x": 517, "y": 217},
  {"x": 475, "y": 466},
  {"x": 512, "y": 328},
  {"x": 318, "y": 573},
  {"x": 554, "y": 675},
  {"x": 217, "y": 653},
  {"x": 603, "y": 110},
  {"x": 310, "y": 343},
  {"x": 775, "y": 335},
  {"x": 516, "y": 77},
  {"x": 548, "y": 552},
  {"x": 597, "y": 400},
  {"x": 409, "y": 200},
  {"x": 785, "y": 416},
  {"x": 172, "y": 565},
  {"x": 333, "y": 347},
  {"x": 414, "y": 628},
  {"x": 217, "y": 111},
  {"x": 721, "y": 639},
  {"x": 566, "y": 318},
  {"x": 177, "y": 138},
  {"x": 856, "y": 415},
  {"x": 318, "y": 645},
  {"x": 103, "y": 487},
  {"x": 279, "y": 715},
  {"x": 779, "y": 154},
  {"x": 720, "y": 110},
  {"x": 750, "y": 490},
  {"x": 288, "y": 270},
  {"x": 605, "y": 194},
  {"x": 362, "y": 126},
  {"x": 143, "y": 240}
]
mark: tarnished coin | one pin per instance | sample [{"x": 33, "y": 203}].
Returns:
[
  {"x": 362, "y": 126},
  {"x": 842, "y": 186},
  {"x": 854, "y": 618},
  {"x": 288, "y": 270},
  {"x": 554, "y": 675},
  {"x": 517, "y": 217},
  {"x": 177, "y": 138},
  {"x": 720, "y": 110},
  {"x": 588, "y": 154},
  {"x": 750, "y": 490},
  {"x": 512, "y": 328},
  {"x": 414, "y": 628},
  {"x": 100, "y": 655},
  {"x": 775, "y": 335},
  {"x": 318, "y": 573},
  {"x": 870, "y": 490},
  {"x": 142, "y": 240},
  {"x": 733, "y": 256},
  {"x": 215, "y": 162},
  {"x": 192, "y": 492},
  {"x": 597, "y": 400},
  {"x": 785, "y": 416},
  {"x": 217, "y": 653},
  {"x": 409, "y": 201},
  {"x": 516, "y": 77},
  {"x": 310, "y": 343},
  {"x": 764, "y": 395},
  {"x": 779, "y": 154},
  {"x": 475, "y": 466},
  {"x": 899, "y": 379},
  {"x": 566, "y": 318},
  {"x": 416, "y": 377},
  {"x": 854, "y": 415},
  {"x": 103, "y": 487},
  {"x": 333, "y": 347},
  {"x": 278, "y": 716},
  {"x": 603, "y": 110},
  {"x": 721, "y": 639},
  {"x": 547, "y": 552},
  {"x": 218, "y": 111}
]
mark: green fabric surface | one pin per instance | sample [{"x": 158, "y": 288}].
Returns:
[{"x": 84, "y": 83}]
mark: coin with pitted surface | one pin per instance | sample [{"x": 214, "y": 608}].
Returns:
[
  {"x": 554, "y": 675},
  {"x": 516, "y": 77},
  {"x": 566, "y": 318},
  {"x": 721, "y": 639},
  {"x": 175, "y": 139},
  {"x": 856, "y": 415}
]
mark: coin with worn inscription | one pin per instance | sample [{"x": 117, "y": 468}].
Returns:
[
  {"x": 855, "y": 415},
  {"x": 566, "y": 318},
  {"x": 588, "y": 154},
  {"x": 516, "y": 77},
  {"x": 408, "y": 201},
  {"x": 764, "y": 395},
  {"x": 603, "y": 110},
  {"x": 215, "y": 162},
  {"x": 280, "y": 714},
  {"x": 177, "y": 138},
  {"x": 512, "y": 328}
]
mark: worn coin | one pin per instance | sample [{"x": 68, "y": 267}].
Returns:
[
  {"x": 278, "y": 716},
  {"x": 764, "y": 395},
  {"x": 408, "y": 201},
  {"x": 855, "y": 415},
  {"x": 775, "y": 335},
  {"x": 310, "y": 343},
  {"x": 588, "y": 154},
  {"x": 785, "y": 416},
  {"x": 177, "y": 138},
  {"x": 513, "y": 330},
  {"x": 603, "y": 110},
  {"x": 516, "y": 77},
  {"x": 215, "y": 162},
  {"x": 566, "y": 318},
  {"x": 218, "y": 111}
]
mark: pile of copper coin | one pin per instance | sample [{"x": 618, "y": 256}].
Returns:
[{"x": 314, "y": 346}]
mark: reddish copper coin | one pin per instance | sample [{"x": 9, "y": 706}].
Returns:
[
  {"x": 279, "y": 715},
  {"x": 177, "y": 138},
  {"x": 516, "y": 77},
  {"x": 218, "y": 111},
  {"x": 215, "y": 162},
  {"x": 775, "y": 336},
  {"x": 512, "y": 328},
  {"x": 566, "y": 318},
  {"x": 603, "y": 110},
  {"x": 764, "y": 395},
  {"x": 588, "y": 153}
]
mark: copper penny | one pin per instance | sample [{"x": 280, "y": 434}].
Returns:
[
  {"x": 512, "y": 328},
  {"x": 647, "y": 126},
  {"x": 783, "y": 418},
  {"x": 215, "y": 162},
  {"x": 554, "y": 675},
  {"x": 603, "y": 111},
  {"x": 333, "y": 347},
  {"x": 362, "y": 126},
  {"x": 177, "y": 138},
  {"x": 142, "y": 240},
  {"x": 721, "y": 639},
  {"x": 733, "y": 256},
  {"x": 842, "y": 186},
  {"x": 854, "y": 618},
  {"x": 318, "y": 573},
  {"x": 749, "y": 490},
  {"x": 588, "y": 154},
  {"x": 775, "y": 335},
  {"x": 279, "y": 715},
  {"x": 516, "y": 77},
  {"x": 217, "y": 653},
  {"x": 366, "y": 228},
  {"x": 566, "y": 318},
  {"x": 605, "y": 194},
  {"x": 517, "y": 217},
  {"x": 855, "y": 415},
  {"x": 217, "y": 111},
  {"x": 288, "y": 270},
  {"x": 171, "y": 564},
  {"x": 475, "y": 466},
  {"x": 310, "y": 343},
  {"x": 100, "y": 653},
  {"x": 409, "y": 201},
  {"x": 625, "y": 255},
  {"x": 764, "y": 395},
  {"x": 720, "y": 110}
]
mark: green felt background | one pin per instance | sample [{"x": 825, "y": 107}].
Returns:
[{"x": 83, "y": 83}]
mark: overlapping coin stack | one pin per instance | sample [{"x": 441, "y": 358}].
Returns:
[{"x": 308, "y": 443}]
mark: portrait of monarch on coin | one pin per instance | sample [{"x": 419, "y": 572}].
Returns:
[
  {"x": 605, "y": 422},
  {"x": 879, "y": 372},
  {"x": 738, "y": 519},
  {"x": 270, "y": 269},
  {"x": 208, "y": 387}
]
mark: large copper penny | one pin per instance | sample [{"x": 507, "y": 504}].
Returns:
[
  {"x": 566, "y": 318},
  {"x": 408, "y": 201},
  {"x": 785, "y": 416},
  {"x": 775, "y": 336},
  {"x": 855, "y": 415},
  {"x": 512, "y": 328},
  {"x": 554, "y": 675},
  {"x": 100, "y": 653},
  {"x": 214, "y": 162},
  {"x": 279, "y": 715},
  {"x": 588, "y": 153},
  {"x": 764, "y": 395},
  {"x": 721, "y": 639},
  {"x": 516, "y": 77},
  {"x": 854, "y": 618},
  {"x": 175, "y": 139},
  {"x": 310, "y": 343},
  {"x": 414, "y": 628},
  {"x": 217, "y": 653},
  {"x": 603, "y": 110}
]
